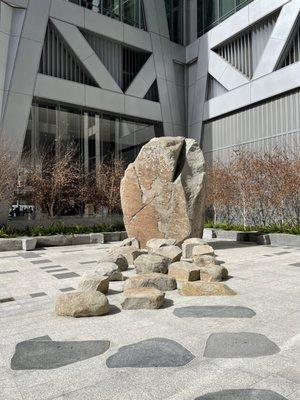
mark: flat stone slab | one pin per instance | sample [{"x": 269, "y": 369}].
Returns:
[
  {"x": 243, "y": 394},
  {"x": 48, "y": 354},
  {"x": 239, "y": 345},
  {"x": 214, "y": 312},
  {"x": 156, "y": 352}
]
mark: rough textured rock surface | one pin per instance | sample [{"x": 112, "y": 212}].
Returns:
[
  {"x": 109, "y": 269},
  {"x": 118, "y": 259},
  {"x": 162, "y": 192},
  {"x": 212, "y": 273},
  {"x": 172, "y": 253},
  {"x": 202, "y": 250},
  {"x": 94, "y": 282},
  {"x": 82, "y": 304},
  {"x": 150, "y": 263},
  {"x": 131, "y": 242},
  {"x": 158, "y": 281},
  {"x": 206, "y": 289},
  {"x": 189, "y": 244},
  {"x": 155, "y": 244},
  {"x": 184, "y": 271},
  {"x": 129, "y": 252},
  {"x": 139, "y": 298},
  {"x": 204, "y": 261}
]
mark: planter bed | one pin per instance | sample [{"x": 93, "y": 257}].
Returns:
[
  {"x": 275, "y": 239},
  {"x": 61, "y": 240}
]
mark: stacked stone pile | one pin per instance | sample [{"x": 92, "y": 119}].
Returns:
[{"x": 162, "y": 266}]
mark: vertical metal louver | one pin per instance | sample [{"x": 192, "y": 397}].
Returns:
[
  {"x": 244, "y": 52},
  {"x": 292, "y": 53},
  {"x": 58, "y": 60},
  {"x": 123, "y": 62},
  {"x": 152, "y": 93},
  {"x": 214, "y": 88}
]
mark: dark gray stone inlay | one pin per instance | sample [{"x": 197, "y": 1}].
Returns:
[
  {"x": 51, "y": 267},
  {"x": 40, "y": 261},
  {"x": 28, "y": 255},
  {"x": 13, "y": 271},
  {"x": 57, "y": 270},
  {"x": 239, "y": 345},
  {"x": 7, "y": 300},
  {"x": 243, "y": 394},
  {"x": 67, "y": 289},
  {"x": 156, "y": 352},
  {"x": 295, "y": 265},
  {"x": 43, "y": 353},
  {"x": 87, "y": 262},
  {"x": 282, "y": 252},
  {"x": 214, "y": 312},
  {"x": 66, "y": 275},
  {"x": 39, "y": 294}
]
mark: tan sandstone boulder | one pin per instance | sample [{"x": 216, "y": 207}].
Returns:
[
  {"x": 212, "y": 273},
  {"x": 172, "y": 253},
  {"x": 184, "y": 271},
  {"x": 188, "y": 246},
  {"x": 205, "y": 260},
  {"x": 154, "y": 245},
  {"x": 110, "y": 270},
  {"x": 162, "y": 192},
  {"x": 129, "y": 252},
  {"x": 118, "y": 259},
  {"x": 201, "y": 250},
  {"x": 150, "y": 263},
  {"x": 143, "y": 298},
  {"x": 158, "y": 281},
  {"x": 82, "y": 304},
  {"x": 94, "y": 282},
  {"x": 206, "y": 289}
]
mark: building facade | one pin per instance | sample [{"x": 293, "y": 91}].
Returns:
[{"x": 111, "y": 74}]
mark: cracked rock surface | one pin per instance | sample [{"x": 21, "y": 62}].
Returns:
[{"x": 162, "y": 192}]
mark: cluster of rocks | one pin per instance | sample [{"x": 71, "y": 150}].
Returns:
[{"x": 162, "y": 266}]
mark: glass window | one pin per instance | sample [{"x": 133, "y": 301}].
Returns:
[
  {"x": 227, "y": 7},
  {"x": 174, "y": 10}
]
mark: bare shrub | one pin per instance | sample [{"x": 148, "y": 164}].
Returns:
[{"x": 8, "y": 173}]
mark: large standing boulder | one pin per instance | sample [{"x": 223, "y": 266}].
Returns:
[
  {"x": 162, "y": 192},
  {"x": 151, "y": 263},
  {"x": 158, "y": 281},
  {"x": 82, "y": 304}
]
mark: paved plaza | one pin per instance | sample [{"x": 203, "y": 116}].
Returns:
[{"x": 243, "y": 347}]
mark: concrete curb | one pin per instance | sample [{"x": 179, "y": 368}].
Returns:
[
  {"x": 274, "y": 239},
  {"x": 61, "y": 240}
]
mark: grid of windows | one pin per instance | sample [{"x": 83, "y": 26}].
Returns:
[
  {"x": 175, "y": 15},
  {"x": 212, "y": 12},
  {"x": 129, "y": 11}
]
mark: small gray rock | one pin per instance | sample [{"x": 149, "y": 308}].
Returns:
[
  {"x": 205, "y": 260},
  {"x": 131, "y": 242},
  {"x": 149, "y": 263},
  {"x": 29, "y": 244},
  {"x": 184, "y": 271}
]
